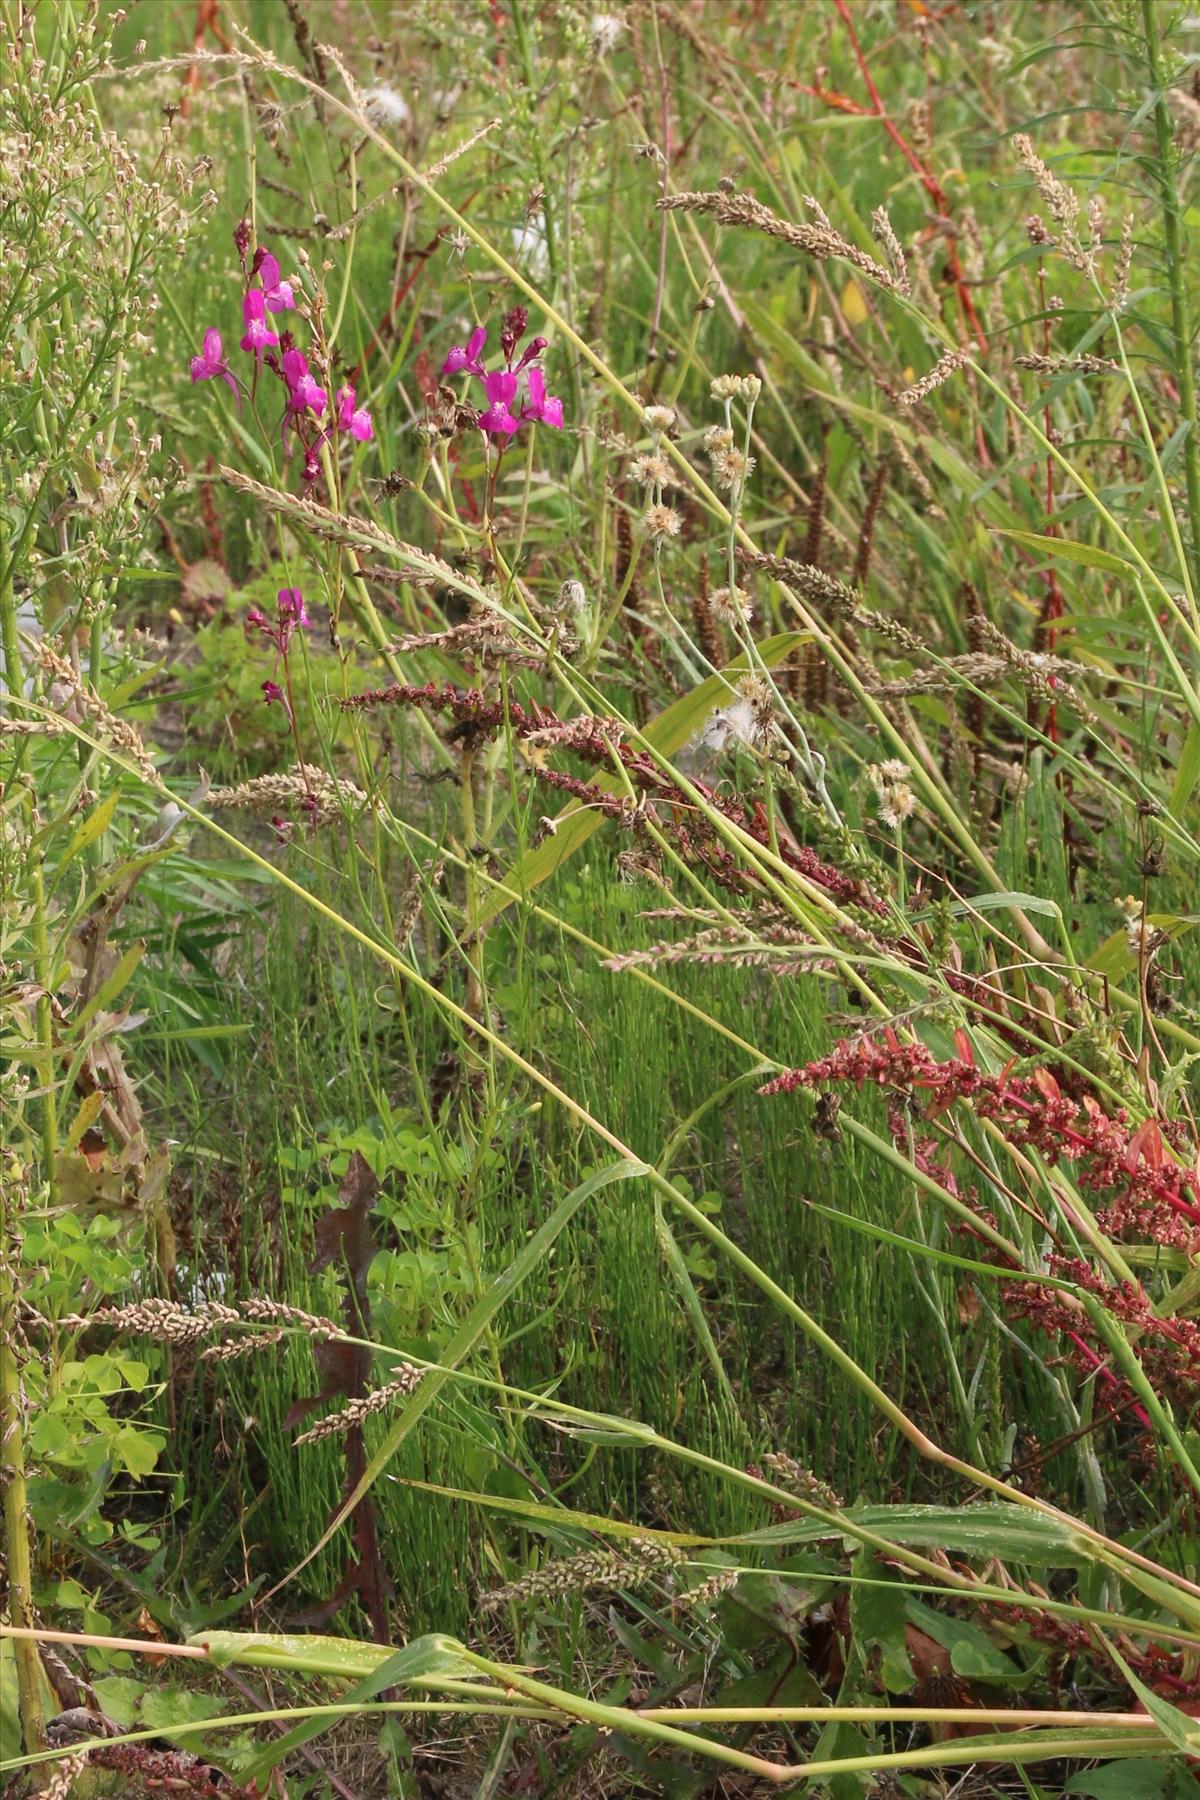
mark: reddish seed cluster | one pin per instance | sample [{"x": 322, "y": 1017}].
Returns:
[
  {"x": 594, "y": 741},
  {"x": 1167, "y": 1348},
  {"x": 1143, "y": 1186},
  {"x": 1144, "y": 1191}
]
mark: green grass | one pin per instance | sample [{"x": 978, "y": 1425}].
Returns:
[{"x": 637, "y": 1282}]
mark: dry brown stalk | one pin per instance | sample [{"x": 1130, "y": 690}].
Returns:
[{"x": 816, "y": 238}]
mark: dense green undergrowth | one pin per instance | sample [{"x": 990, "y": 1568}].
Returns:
[{"x": 600, "y": 989}]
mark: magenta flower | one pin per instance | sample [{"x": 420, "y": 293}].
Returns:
[
  {"x": 467, "y": 357},
  {"x": 534, "y": 348},
  {"x": 499, "y": 417},
  {"x": 305, "y": 394},
  {"x": 290, "y": 618},
  {"x": 353, "y": 418},
  {"x": 211, "y": 364},
  {"x": 272, "y": 692},
  {"x": 545, "y": 408},
  {"x": 279, "y": 296},
  {"x": 258, "y": 336},
  {"x": 501, "y": 389}
]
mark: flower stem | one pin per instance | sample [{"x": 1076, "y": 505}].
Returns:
[
  {"x": 1185, "y": 368},
  {"x": 12, "y": 1481}
]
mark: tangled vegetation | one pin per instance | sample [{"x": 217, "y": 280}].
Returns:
[{"x": 600, "y": 853}]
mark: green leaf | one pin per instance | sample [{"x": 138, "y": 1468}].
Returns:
[
  {"x": 1188, "y": 771},
  {"x": 972, "y": 1652},
  {"x": 1034, "y": 903},
  {"x": 471, "y": 1331},
  {"x": 994, "y": 1528},
  {"x": 341, "y": 1659},
  {"x": 424, "y": 1658},
  {"x": 877, "y": 1621},
  {"x": 1180, "y": 1729},
  {"x": 93, "y": 827},
  {"x": 1132, "y": 1779},
  {"x": 135, "y": 1450},
  {"x": 163, "y": 1707},
  {"x": 668, "y": 732},
  {"x": 10, "y": 1713},
  {"x": 1070, "y": 551}
]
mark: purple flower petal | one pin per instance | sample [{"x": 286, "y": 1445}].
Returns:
[
  {"x": 498, "y": 420},
  {"x": 467, "y": 356},
  {"x": 500, "y": 387},
  {"x": 547, "y": 409},
  {"x": 353, "y": 418}
]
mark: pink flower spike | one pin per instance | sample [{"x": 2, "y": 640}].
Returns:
[
  {"x": 304, "y": 393},
  {"x": 211, "y": 364},
  {"x": 501, "y": 389},
  {"x": 279, "y": 295},
  {"x": 353, "y": 418},
  {"x": 468, "y": 356},
  {"x": 546, "y": 408},
  {"x": 292, "y": 616},
  {"x": 272, "y": 692},
  {"x": 258, "y": 336},
  {"x": 532, "y": 350}
]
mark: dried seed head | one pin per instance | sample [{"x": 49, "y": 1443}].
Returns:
[
  {"x": 717, "y": 439},
  {"x": 654, "y": 471},
  {"x": 659, "y": 418},
  {"x": 801, "y": 1480},
  {"x": 660, "y": 523},
  {"x": 884, "y": 233},
  {"x": 1061, "y": 202},
  {"x": 941, "y": 371},
  {"x": 571, "y": 598},
  {"x": 642, "y": 1561},
  {"x": 731, "y": 605},
  {"x": 334, "y": 1424},
  {"x": 707, "y": 1592},
  {"x": 732, "y": 468}
]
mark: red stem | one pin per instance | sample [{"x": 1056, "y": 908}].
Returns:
[{"x": 929, "y": 181}]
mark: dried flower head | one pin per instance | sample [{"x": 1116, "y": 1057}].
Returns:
[
  {"x": 896, "y": 799},
  {"x": 606, "y": 31},
  {"x": 732, "y": 468},
  {"x": 731, "y": 605},
  {"x": 654, "y": 471},
  {"x": 717, "y": 439},
  {"x": 659, "y": 418},
  {"x": 661, "y": 522},
  {"x": 571, "y": 597}
]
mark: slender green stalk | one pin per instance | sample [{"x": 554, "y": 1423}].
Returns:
[
  {"x": 43, "y": 1010},
  {"x": 17, "y": 1547},
  {"x": 1184, "y": 368}
]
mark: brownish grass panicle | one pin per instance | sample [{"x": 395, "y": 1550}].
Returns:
[
  {"x": 641, "y": 1561},
  {"x": 357, "y": 1410},
  {"x": 816, "y": 237}
]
